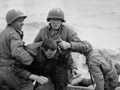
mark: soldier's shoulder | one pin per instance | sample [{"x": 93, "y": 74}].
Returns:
[
  {"x": 69, "y": 27},
  {"x": 10, "y": 31}
]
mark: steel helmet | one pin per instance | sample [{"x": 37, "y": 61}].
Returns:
[
  {"x": 13, "y": 14},
  {"x": 56, "y": 13}
]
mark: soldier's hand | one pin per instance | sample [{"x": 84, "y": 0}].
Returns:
[
  {"x": 75, "y": 73},
  {"x": 42, "y": 79},
  {"x": 39, "y": 79},
  {"x": 64, "y": 45}
]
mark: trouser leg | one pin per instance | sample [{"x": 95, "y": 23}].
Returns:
[
  {"x": 111, "y": 82},
  {"x": 61, "y": 78}
]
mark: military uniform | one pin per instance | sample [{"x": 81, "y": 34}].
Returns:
[
  {"x": 12, "y": 54},
  {"x": 56, "y": 68},
  {"x": 64, "y": 33},
  {"x": 61, "y": 33},
  {"x": 103, "y": 71},
  {"x": 100, "y": 66}
]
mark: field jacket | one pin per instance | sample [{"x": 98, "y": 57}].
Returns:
[{"x": 12, "y": 48}]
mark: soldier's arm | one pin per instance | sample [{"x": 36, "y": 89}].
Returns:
[
  {"x": 18, "y": 51},
  {"x": 97, "y": 75},
  {"x": 72, "y": 35},
  {"x": 81, "y": 47},
  {"x": 21, "y": 72}
]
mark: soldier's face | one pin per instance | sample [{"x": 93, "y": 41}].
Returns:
[
  {"x": 55, "y": 23},
  {"x": 18, "y": 23},
  {"x": 50, "y": 53}
]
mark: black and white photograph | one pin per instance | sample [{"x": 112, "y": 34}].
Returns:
[{"x": 59, "y": 45}]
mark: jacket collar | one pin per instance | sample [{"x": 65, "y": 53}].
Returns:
[{"x": 20, "y": 32}]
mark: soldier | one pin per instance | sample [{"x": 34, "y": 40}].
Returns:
[
  {"x": 51, "y": 61},
  {"x": 64, "y": 34},
  {"x": 13, "y": 55},
  {"x": 100, "y": 66},
  {"x": 56, "y": 29}
]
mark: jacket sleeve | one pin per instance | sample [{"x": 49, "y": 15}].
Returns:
[
  {"x": 81, "y": 47},
  {"x": 97, "y": 75},
  {"x": 73, "y": 37},
  {"x": 77, "y": 45},
  {"x": 21, "y": 72},
  {"x": 18, "y": 51}
]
